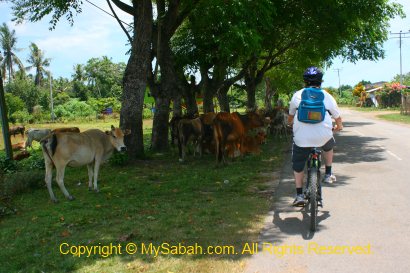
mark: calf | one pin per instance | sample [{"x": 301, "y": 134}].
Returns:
[
  {"x": 90, "y": 148},
  {"x": 15, "y": 130},
  {"x": 21, "y": 155},
  {"x": 37, "y": 135},
  {"x": 189, "y": 130},
  {"x": 18, "y": 146}
]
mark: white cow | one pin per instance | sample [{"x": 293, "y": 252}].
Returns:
[
  {"x": 91, "y": 148},
  {"x": 36, "y": 134}
]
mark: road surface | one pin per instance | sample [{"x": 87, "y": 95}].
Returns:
[{"x": 364, "y": 225}]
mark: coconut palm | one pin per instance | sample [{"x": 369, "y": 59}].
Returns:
[
  {"x": 38, "y": 62},
  {"x": 8, "y": 42}
]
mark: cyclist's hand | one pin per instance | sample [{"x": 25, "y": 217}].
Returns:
[{"x": 337, "y": 128}]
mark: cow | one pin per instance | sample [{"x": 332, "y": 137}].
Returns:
[
  {"x": 90, "y": 148},
  {"x": 21, "y": 155},
  {"x": 173, "y": 126},
  {"x": 230, "y": 131},
  {"x": 189, "y": 130},
  {"x": 66, "y": 130},
  {"x": 207, "y": 120},
  {"x": 15, "y": 130},
  {"x": 36, "y": 134},
  {"x": 18, "y": 146}
]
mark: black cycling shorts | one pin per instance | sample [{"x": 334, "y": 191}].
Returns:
[{"x": 301, "y": 154}]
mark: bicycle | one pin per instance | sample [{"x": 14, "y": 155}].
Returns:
[{"x": 313, "y": 190}]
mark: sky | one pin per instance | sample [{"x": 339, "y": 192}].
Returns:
[{"x": 95, "y": 34}]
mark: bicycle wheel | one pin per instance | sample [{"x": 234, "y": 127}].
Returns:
[{"x": 313, "y": 195}]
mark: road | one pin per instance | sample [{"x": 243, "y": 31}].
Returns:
[{"x": 366, "y": 210}]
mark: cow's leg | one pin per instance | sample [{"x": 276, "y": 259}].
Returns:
[
  {"x": 96, "y": 170},
  {"x": 48, "y": 179},
  {"x": 60, "y": 181},
  {"x": 90, "y": 168}
]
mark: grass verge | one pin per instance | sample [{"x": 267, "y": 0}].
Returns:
[
  {"x": 154, "y": 202},
  {"x": 396, "y": 118}
]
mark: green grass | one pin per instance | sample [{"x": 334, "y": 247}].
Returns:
[
  {"x": 396, "y": 118},
  {"x": 152, "y": 201}
]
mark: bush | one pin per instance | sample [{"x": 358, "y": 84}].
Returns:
[
  {"x": 22, "y": 116},
  {"x": 34, "y": 162},
  {"x": 7, "y": 165},
  {"x": 147, "y": 113},
  {"x": 74, "y": 109},
  {"x": 119, "y": 159},
  {"x": 23, "y": 181}
]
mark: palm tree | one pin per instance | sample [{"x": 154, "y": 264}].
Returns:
[
  {"x": 8, "y": 42},
  {"x": 38, "y": 62}
]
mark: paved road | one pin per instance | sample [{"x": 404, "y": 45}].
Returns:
[{"x": 367, "y": 207}]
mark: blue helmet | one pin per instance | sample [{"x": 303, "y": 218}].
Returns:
[{"x": 313, "y": 75}]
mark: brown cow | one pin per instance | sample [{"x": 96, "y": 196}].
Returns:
[
  {"x": 66, "y": 130},
  {"x": 15, "y": 130},
  {"x": 189, "y": 130},
  {"x": 18, "y": 146},
  {"x": 90, "y": 148},
  {"x": 230, "y": 131},
  {"x": 21, "y": 155},
  {"x": 208, "y": 143}
]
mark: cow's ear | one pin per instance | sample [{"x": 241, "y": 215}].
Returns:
[{"x": 127, "y": 132}]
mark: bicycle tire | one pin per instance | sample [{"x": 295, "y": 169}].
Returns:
[{"x": 313, "y": 196}]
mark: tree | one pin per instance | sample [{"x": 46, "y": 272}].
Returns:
[
  {"x": 136, "y": 71},
  {"x": 8, "y": 42},
  {"x": 38, "y": 62}
]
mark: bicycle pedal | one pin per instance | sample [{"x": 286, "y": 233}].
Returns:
[{"x": 320, "y": 204}]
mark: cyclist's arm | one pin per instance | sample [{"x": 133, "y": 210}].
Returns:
[
  {"x": 339, "y": 124},
  {"x": 290, "y": 119}
]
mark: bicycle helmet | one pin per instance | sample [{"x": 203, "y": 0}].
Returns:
[{"x": 313, "y": 75}]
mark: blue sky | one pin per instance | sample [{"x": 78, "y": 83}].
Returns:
[{"x": 95, "y": 34}]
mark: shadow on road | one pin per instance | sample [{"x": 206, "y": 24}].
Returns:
[{"x": 286, "y": 220}]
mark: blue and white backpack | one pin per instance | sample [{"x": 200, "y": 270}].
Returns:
[{"x": 312, "y": 107}]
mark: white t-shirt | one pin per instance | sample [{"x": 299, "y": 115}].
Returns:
[{"x": 313, "y": 135}]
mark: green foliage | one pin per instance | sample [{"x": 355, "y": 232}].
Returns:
[
  {"x": 22, "y": 181},
  {"x": 26, "y": 90},
  {"x": 34, "y": 162},
  {"x": 74, "y": 109},
  {"x": 104, "y": 77},
  {"x": 147, "y": 113},
  {"x": 6, "y": 165},
  {"x": 60, "y": 98},
  {"x": 21, "y": 116},
  {"x": 13, "y": 103},
  {"x": 103, "y": 103},
  {"x": 347, "y": 98},
  {"x": 119, "y": 159}
]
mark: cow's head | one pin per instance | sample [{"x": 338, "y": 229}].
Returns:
[{"x": 117, "y": 138}]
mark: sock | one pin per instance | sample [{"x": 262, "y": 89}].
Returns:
[
  {"x": 299, "y": 190},
  {"x": 329, "y": 170}
]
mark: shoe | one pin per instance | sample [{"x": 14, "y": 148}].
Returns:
[
  {"x": 329, "y": 178},
  {"x": 299, "y": 200}
]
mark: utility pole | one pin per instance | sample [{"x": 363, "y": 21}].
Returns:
[
  {"x": 338, "y": 75},
  {"x": 401, "y": 35},
  {"x": 51, "y": 97}
]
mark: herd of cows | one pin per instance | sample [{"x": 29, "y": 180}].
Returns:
[
  {"x": 227, "y": 134},
  {"x": 224, "y": 134}
]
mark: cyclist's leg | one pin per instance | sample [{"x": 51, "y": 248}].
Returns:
[
  {"x": 328, "y": 156},
  {"x": 299, "y": 157}
]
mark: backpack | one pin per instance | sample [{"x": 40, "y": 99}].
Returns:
[{"x": 312, "y": 108}]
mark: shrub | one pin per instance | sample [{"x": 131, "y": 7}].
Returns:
[
  {"x": 74, "y": 109},
  {"x": 22, "y": 116},
  {"x": 147, "y": 113},
  {"x": 119, "y": 159},
  {"x": 23, "y": 181},
  {"x": 7, "y": 165}
]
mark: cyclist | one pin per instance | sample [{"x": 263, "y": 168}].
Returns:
[{"x": 306, "y": 135}]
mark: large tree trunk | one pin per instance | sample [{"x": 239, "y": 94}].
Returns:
[
  {"x": 269, "y": 92},
  {"x": 159, "y": 140},
  {"x": 177, "y": 106},
  {"x": 251, "y": 95},
  {"x": 223, "y": 99},
  {"x": 135, "y": 79},
  {"x": 190, "y": 102}
]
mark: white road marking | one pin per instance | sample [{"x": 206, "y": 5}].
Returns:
[{"x": 393, "y": 155}]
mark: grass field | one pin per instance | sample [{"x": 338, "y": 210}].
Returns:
[
  {"x": 396, "y": 117},
  {"x": 156, "y": 201}
]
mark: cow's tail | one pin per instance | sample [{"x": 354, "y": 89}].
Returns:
[{"x": 49, "y": 144}]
